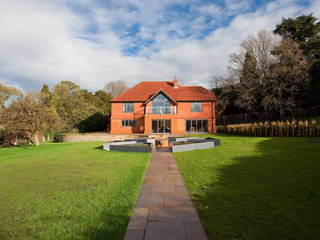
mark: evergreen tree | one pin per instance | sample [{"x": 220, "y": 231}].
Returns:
[
  {"x": 305, "y": 30},
  {"x": 249, "y": 88}
]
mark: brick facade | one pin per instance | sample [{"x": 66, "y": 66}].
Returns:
[{"x": 143, "y": 119}]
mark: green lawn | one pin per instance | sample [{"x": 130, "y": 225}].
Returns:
[
  {"x": 256, "y": 188},
  {"x": 68, "y": 191}
]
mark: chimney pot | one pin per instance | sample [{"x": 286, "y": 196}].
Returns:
[{"x": 175, "y": 82}]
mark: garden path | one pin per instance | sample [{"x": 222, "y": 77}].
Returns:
[{"x": 164, "y": 209}]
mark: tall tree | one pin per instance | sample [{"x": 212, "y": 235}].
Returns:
[
  {"x": 116, "y": 88},
  {"x": 305, "y": 30},
  {"x": 249, "y": 88},
  {"x": 103, "y": 102},
  {"x": 73, "y": 104},
  {"x": 6, "y": 92},
  {"x": 259, "y": 49},
  {"x": 45, "y": 89},
  {"x": 289, "y": 76},
  {"x": 46, "y": 95},
  {"x": 250, "y": 69}
]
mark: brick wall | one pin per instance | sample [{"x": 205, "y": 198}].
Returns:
[{"x": 143, "y": 122}]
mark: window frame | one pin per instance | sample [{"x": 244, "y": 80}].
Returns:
[
  {"x": 191, "y": 125},
  {"x": 126, "y": 109},
  {"x": 161, "y": 104},
  {"x": 195, "y": 108},
  {"x": 128, "y": 123}
]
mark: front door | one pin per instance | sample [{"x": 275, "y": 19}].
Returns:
[{"x": 161, "y": 126}]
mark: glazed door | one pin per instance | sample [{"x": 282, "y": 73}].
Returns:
[{"x": 161, "y": 126}]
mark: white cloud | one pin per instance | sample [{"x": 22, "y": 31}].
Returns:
[{"x": 46, "y": 41}]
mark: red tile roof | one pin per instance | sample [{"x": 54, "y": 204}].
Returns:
[{"x": 144, "y": 90}]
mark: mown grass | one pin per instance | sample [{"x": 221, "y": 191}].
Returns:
[
  {"x": 256, "y": 188},
  {"x": 68, "y": 191}
]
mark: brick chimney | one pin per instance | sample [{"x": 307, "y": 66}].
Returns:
[{"x": 175, "y": 82}]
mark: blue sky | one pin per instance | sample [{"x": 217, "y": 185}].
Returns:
[{"x": 92, "y": 42}]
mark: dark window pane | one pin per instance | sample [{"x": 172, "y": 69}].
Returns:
[
  {"x": 167, "y": 124},
  {"x": 188, "y": 125},
  {"x": 161, "y": 126},
  {"x": 205, "y": 125},
  {"x": 154, "y": 126},
  {"x": 193, "y": 125},
  {"x": 128, "y": 123},
  {"x": 199, "y": 125}
]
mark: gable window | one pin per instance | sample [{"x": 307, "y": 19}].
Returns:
[
  {"x": 196, "y": 107},
  {"x": 127, "y": 107},
  {"x": 161, "y": 105},
  {"x": 128, "y": 123}
]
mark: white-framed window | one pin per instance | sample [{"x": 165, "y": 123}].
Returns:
[
  {"x": 196, "y": 107},
  {"x": 128, "y": 107},
  {"x": 128, "y": 123}
]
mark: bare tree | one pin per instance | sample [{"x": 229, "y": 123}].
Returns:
[
  {"x": 116, "y": 88},
  {"x": 289, "y": 76},
  {"x": 251, "y": 69},
  {"x": 259, "y": 47}
]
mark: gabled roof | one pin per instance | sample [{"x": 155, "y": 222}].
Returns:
[
  {"x": 145, "y": 90},
  {"x": 157, "y": 93}
]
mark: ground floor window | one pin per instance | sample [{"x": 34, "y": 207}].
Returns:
[
  {"x": 161, "y": 126},
  {"x": 197, "y": 125},
  {"x": 128, "y": 123}
]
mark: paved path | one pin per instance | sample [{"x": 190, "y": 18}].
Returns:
[{"x": 164, "y": 210}]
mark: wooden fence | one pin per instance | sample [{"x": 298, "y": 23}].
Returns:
[
  {"x": 276, "y": 128},
  {"x": 300, "y": 113}
]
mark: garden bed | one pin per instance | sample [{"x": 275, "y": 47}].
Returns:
[
  {"x": 174, "y": 144},
  {"x": 145, "y": 147}
]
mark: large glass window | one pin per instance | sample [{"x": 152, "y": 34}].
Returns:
[
  {"x": 196, "y": 107},
  {"x": 127, "y": 107},
  {"x": 128, "y": 123},
  {"x": 197, "y": 125},
  {"x": 161, "y": 105},
  {"x": 161, "y": 126}
]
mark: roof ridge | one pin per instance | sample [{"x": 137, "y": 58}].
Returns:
[
  {"x": 155, "y": 81},
  {"x": 143, "y": 90}
]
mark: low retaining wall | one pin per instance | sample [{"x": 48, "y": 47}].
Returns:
[
  {"x": 107, "y": 146},
  {"x": 91, "y": 137},
  {"x": 192, "y": 146},
  {"x": 130, "y": 148}
]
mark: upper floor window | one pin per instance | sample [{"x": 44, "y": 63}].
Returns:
[
  {"x": 127, "y": 107},
  {"x": 196, "y": 107},
  {"x": 161, "y": 104}
]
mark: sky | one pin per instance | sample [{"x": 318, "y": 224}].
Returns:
[{"x": 93, "y": 42}]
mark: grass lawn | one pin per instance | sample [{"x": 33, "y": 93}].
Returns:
[
  {"x": 68, "y": 191},
  {"x": 256, "y": 188}
]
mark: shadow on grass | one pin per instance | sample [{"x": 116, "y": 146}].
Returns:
[
  {"x": 113, "y": 227},
  {"x": 274, "y": 194},
  {"x": 99, "y": 148}
]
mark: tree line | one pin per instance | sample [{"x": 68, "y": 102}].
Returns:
[
  {"x": 274, "y": 71},
  {"x": 67, "y": 108}
]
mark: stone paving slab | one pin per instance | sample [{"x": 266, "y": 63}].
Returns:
[{"x": 164, "y": 210}]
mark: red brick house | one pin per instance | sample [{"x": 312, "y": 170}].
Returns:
[{"x": 163, "y": 107}]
